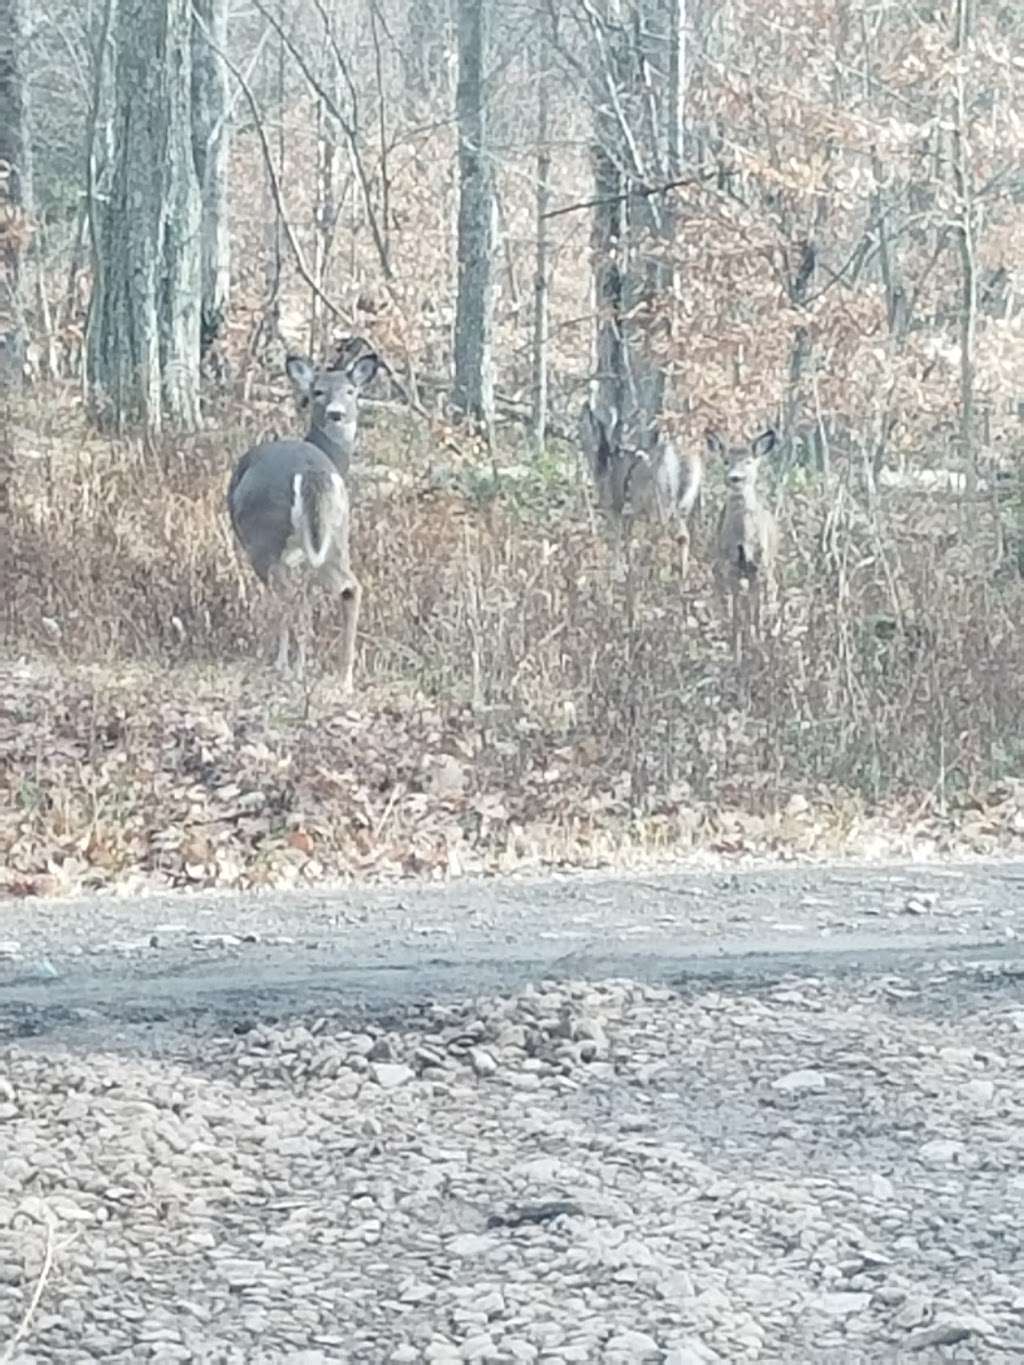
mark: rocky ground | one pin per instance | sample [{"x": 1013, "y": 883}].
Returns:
[{"x": 794, "y": 1171}]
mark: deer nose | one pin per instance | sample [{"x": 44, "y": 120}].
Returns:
[{"x": 335, "y": 414}]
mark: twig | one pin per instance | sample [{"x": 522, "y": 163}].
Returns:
[
  {"x": 275, "y": 187},
  {"x": 37, "y": 1294},
  {"x": 644, "y": 192}
]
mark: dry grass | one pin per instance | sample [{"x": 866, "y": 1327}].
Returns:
[{"x": 517, "y": 706}]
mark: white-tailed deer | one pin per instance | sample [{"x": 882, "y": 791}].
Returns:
[
  {"x": 748, "y": 536},
  {"x": 289, "y": 505},
  {"x": 659, "y": 483}
]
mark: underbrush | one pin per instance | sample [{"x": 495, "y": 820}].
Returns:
[{"x": 494, "y": 636}]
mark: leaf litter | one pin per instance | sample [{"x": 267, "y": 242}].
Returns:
[{"x": 152, "y": 780}]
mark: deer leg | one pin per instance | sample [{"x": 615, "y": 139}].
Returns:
[
  {"x": 277, "y": 617},
  {"x": 735, "y": 624},
  {"x": 683, "y": 538},
  {"x": 302, "y": 622},
  {"x": 617, "y": 538},
  {"x": 756, "y": 591},
  {"x": 351, "y": 600},
  {"x": 281, "y": 661},
  {"x": 771, "y": 588}
]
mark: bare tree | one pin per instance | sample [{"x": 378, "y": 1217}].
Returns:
[
  {"x": 964, "y": 233},
  {"x": 637, "y": 75},
  {"x": 144, "y": 313},
  {"x": 542, "y": 266},
  {"x": 210, "y": 147},
  {"x": 474, "y": 306},
  {"x": 425, "y": 50},
  {"x": 15, "y": 189}
]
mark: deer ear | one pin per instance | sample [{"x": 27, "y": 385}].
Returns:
[
  {"x": 364, "y": 369},
  {"x": 714, "y": 443},
  {"x": 299, "y": 369},
  {"x": 764, "y": 443}
]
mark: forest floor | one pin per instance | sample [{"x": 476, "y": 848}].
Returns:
[{"x": 132, "y": 779}]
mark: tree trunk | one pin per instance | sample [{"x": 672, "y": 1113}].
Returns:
[
  {"x": 542, "y": 284},
  {"x": 15, "y": 190},
  {"x": 474, "y": 308},
  {"x": 425, "y": 52},
  {"x": 144, "y": 311},
  {"x": 210, "y": 147},
  {"x": 637, "y": 90},
  {"x": 964, "y": 233},
  {"x": 608, "y": 231}
]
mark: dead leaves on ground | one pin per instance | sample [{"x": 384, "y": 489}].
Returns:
[{"x": 157, "y": 782}]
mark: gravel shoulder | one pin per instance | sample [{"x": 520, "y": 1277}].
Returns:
[
  {"x": 378, "y": 948},
  {"x": 780, "y": 1154}
]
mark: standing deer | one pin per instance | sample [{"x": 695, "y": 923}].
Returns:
[
  {"x": 659, "y": 483},
  {"x": 748, "y": 536},
  {"x": 289, "y": 505}
]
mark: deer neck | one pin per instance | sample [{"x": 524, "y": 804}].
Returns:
[
  {"x": 337, "y": 448},
  {"x": 744, "y": 497}
]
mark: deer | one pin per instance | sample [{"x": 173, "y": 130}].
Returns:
[
  {"x": 289, "y": 504},
  {"x": 659, "y": 483},
  {"x": 748, "y": 536}
]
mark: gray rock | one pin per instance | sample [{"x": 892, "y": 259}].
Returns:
[
  {"x": 917, "y": 1309},
  {"x": 390, "y": 1075},
  {"x": 945, "y": 1333},
  {"x": 690, "y": 1351},
  {"x": 480, "y": 1347},
  {"x": 980, "y": 1092},
  {"x": 941, "y": 1152},
  {"x": 482, "y": 1061},
  {"x": 519, "y": 1349},
  {"x": 633, "y": 1346},
  {"x": 797, "y": 1082},
  {"x": 841, "y": 1304},
  {"x": 469, "y": 1244}
]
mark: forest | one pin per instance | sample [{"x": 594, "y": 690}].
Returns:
[{"x": 629, "y": 236}]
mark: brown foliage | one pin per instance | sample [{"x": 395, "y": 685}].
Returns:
[{"x": 515, "y": 704}]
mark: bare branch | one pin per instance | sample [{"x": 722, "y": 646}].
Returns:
[
  {"x": 268, "y": 161},
  {"x": 640, "y": 192},
  {"x": 346, "y": 126}
]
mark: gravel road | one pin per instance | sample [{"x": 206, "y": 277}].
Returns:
[{"x": 771, "y": 1116}]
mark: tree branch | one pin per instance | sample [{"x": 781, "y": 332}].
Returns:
[{"x": 642, "y": 192}]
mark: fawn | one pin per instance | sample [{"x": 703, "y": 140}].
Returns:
[
  {"x": 659, "y": 483},
  {"x": 289, "y": 504},
  {"x": 748, "y": 536}
]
